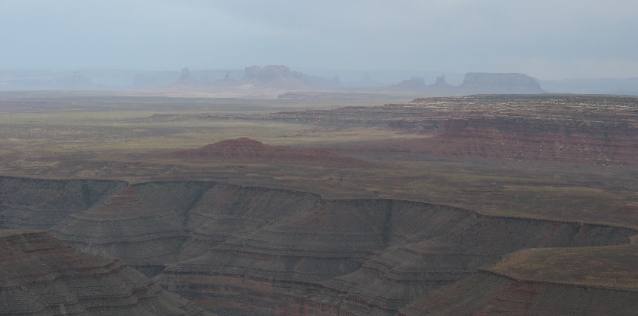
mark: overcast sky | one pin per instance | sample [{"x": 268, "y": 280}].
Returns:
[{"x": 546, "y": 38}]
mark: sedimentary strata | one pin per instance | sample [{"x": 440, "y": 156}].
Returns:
[
  {"x": 39, "y": 275},
  {"x": 584, "y": 129},
  {"x": 241, "y": 250},
  {"x": 492, "y": 294}
]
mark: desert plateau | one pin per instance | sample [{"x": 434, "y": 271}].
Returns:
[{"x": 318, "y": 158}]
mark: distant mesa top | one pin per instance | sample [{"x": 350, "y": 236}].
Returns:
[
  {"x": 280, "y": 76},
  {"x": 475, "y": 83},
  {"x": 500, "y": 83}
]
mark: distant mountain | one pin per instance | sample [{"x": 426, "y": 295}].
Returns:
[
  {"x": 500, "y": 83},
  {"x": 269, "y": 77},
  {"x": 415, "y": 83},
  {"x": 475, "y": 83},
  {"x": 279, "y": 76},
  {"x": 25, "y": 80},
  {"x": 266, "y": 77}
]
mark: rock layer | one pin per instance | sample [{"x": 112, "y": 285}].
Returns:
[
  {"x": 532, "y": 140},
  {"x": 40, "y": 204},
  {"x": 358, "y": 256},
  {"x": 240, "y": 250},
  {"x": 490, "y": 294},
  {"x": 142, "y": 224},
  {"x": 42, "y": 276},
  {"x": 584, "y": 129}
]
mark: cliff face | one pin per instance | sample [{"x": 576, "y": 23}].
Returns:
[
  {"x": 143, "y": 224},
  {"x": 41, "y": 276},
  {"x": 534, "y": 139},
  {"x": 362, "y": 257},
  {"x": 40, "y": 204},
  {"x": 582, "y": 129},
  {"x": 258, "y": 251}
]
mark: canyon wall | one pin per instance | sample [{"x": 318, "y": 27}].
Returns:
[
  {"x": 40, "y": 275},
  {"x": 239, "y": 250}
]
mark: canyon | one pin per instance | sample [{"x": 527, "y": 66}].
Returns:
[
  {"x": 318, "y": 158},
  {"x": 286, "y": 252},
  {"x": 477, "y": 205}
]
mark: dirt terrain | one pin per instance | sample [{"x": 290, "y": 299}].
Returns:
[{"x": 441, "y": 206}]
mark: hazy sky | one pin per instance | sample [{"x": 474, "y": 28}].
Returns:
[{"x": 545, "y": 38}]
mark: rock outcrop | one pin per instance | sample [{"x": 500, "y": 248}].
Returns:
[
  {"x": 142, "y": 224},
  {"x": 526, "y": 139},
  {"x": 39, "y": 275},
  {"x": 582, "y": 129},
  {"x": 239, "y": 250},
  {"x": 362, "y": 257},
  {"x": 249, "y": 150}
]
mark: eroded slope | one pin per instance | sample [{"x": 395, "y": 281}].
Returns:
[
  {"x": 491, "y": 294},
  {"x": 144, "y": 224},
  {"x": 361, "y": 257},
  {"x": 39, "y": 275},
  {"x": 585, "y": 129},
  {"x": 40, "y": 204},
  {"x": 241, "y": 250}
]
